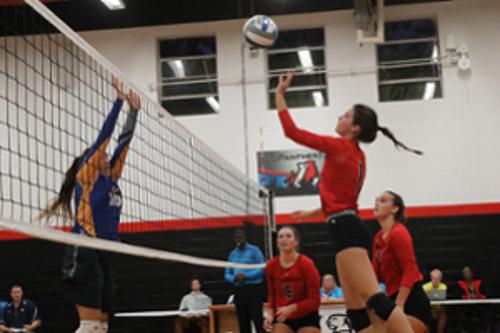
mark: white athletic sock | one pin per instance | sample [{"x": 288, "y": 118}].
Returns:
[
  {"x": 90, "y": 326},
  {"x": 104, "y": 326}
]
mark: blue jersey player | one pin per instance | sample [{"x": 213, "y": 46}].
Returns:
[{"x": 93, "y": 179}]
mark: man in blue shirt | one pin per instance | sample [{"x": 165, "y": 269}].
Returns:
[
  {"x": 20, "y": 313},
  {"x": 329, "y": 289},
  {"x": 248, "y": 289}
]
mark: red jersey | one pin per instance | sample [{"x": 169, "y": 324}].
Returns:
[
  {"x": 343, "y": 172},
  {"x": 297, "y": 284},
  {"x": 394, "y": 259},
  {"x": 471, "y": 293}
]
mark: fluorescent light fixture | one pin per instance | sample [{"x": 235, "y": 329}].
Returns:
[
  {"x": 177, "y": 67},
  {"x": 213, "y": 103},
  {"x": 114, "y": 4},
  {"x": 306, "y": 60},
  {"x": 318, "y": 98},
  {"x": 435, "y": 56},
  {"x": 430, "y": 88}
]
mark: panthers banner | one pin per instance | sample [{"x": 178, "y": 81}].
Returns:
[{"x": 290, "y": 172}]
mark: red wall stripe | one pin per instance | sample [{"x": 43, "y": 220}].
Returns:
[{"x": 234, "y": 221}]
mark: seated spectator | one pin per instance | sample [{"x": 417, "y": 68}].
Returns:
[
  {"x": 473, "y": 318},
  {"x": 195, "y": 309},
  {"x": 329, "y": 289},
  {"x": 436, "y": 290},
  {"x": 20, "y": 313},
  {"x": 469, "y": 285}
]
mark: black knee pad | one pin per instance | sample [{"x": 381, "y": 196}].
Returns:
[
  {"x": 382, "y": 305},
  {"x": 359, "y": 319}
]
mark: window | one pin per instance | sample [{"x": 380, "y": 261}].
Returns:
[
  {"x": 188, "y": 76},
  {"x": 408, "y": 63},
  {"x": 304, "y": 51}
]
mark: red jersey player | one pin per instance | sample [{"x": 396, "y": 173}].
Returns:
[
  {"x": 395, "y": 264},
  {"x": 341, "y": 182},
  {"x": 293, "y": 284}
]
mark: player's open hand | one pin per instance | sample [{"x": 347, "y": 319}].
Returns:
[
  {"x": 134, "y": 100},
  {"x": 284, "y": 83},
  {"x": 118, "y": 85}
]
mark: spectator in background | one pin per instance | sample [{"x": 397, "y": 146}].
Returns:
[
  {"x": 469, "y": 285},
  {"x": 20, "y": 313},
  {"x": 329, "y": 289},
  {"x": 248, "y": 287},
  {"x": 438, "y": 311},
  {"x": 195, "y": 307},
  {"x": 473, "y": 318}
]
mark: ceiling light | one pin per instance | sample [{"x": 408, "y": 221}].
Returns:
[
  {"x": 318, "y": 98},
  {"x": 306, "y": 60},
  {"x": 114, "y": 4},
  {"x": 213, "y": 103},
  {"x": 177, "y": 67},
  {"x": 430, "y": 88}
]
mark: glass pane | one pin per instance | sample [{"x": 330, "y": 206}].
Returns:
[
  {"x": 300, "y": 58},
  {"x": 296, "y": 99},
  {"x": 410, "y": 29},
  {"x": 187, "y": 47},
  {"x": 410, "y": 91},
  {"x": 188, "y": 89},
  {"x": 186, "y": 107},
  {"x": 407, "y": 51},
  {"x": 302, "y": 80},
  {"x": 409, "y": 72},
  {"x": 180, "y": 69},
  {"x": 298, "y": 38}
]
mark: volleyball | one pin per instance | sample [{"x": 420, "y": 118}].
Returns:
[{"x": 260, "y": 31}]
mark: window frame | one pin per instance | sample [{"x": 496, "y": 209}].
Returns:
[
  {"x": 299, "y": 71},
  {"x": 165, "y": 81},
  {"x": 411, "y": 62}
]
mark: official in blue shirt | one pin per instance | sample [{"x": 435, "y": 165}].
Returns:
[{"x": 247, "y": 283}]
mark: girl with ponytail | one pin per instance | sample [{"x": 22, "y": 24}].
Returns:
[
  {"x": 341, "y": 181},
  {"x": 92, "y": 180}
]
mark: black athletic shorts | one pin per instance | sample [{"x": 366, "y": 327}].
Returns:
[
  {"x": 417, "y": 305},
  {"x": 348, "y": 230},
  {"x": 88, "y": 278},
  {"x": 310, "y": 320}
]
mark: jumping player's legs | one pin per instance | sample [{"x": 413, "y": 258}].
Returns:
[
  {"x": 89, "y": 320},
  {"x": 417, "y": 325},
  {"x": 83, "y": 278},
  {"x": 351, "y": 241},
  {"x": 358, "y": 276},
  {"x": 86, "y": 313},
  {"x": 108, "y": 289},
  {"x": 362, "y": 320}
]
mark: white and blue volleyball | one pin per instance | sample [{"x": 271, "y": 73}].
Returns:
[{"x": 260, "y": 31}]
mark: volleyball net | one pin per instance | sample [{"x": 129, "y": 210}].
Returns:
[{"x": 55, "y": 94}]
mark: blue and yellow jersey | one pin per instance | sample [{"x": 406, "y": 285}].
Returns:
[{"x": 98, "y": 199}]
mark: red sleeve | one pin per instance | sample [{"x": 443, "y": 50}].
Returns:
[
  {"x": 405, "y": 255},
  {"x": 311, "y": 303},
  {"x": 270, "y": 287},
  {"x": 324, "y": 143}
]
